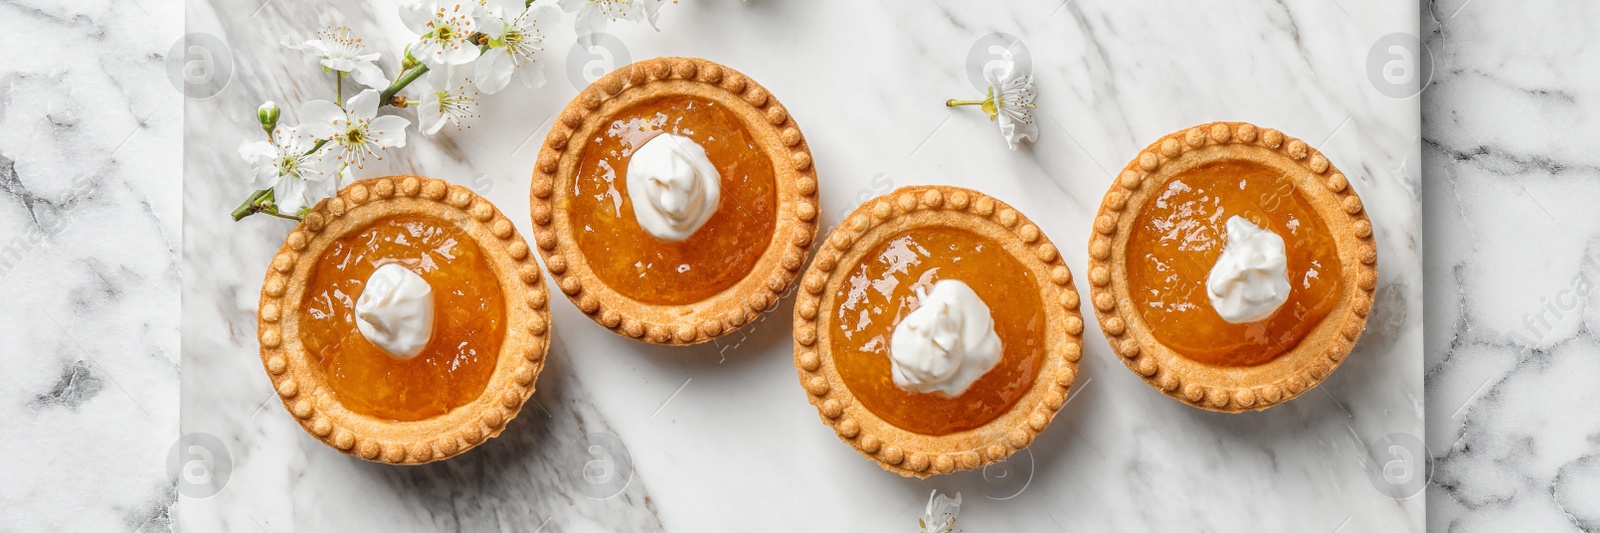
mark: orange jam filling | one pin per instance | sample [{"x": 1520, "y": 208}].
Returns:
[
  {"x": 1178, "y": 237},
  {"x": 468, "y": 324},
  {"x": 882, "y": 290},
  {"x": 637, "y": 264}
]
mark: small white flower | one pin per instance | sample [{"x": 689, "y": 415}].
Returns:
[
  {"x": 447, "y": 96},
  {"x": 940, "y": 515},
  {"x": 444, "y": 30},
  {"x": 297, "y": 179},
  {"x": 339, "y": 51},
  {"x": 594, "y": 14},
  {"x": 356, "y": 131},
  {"x": 1013, "y": 102},
  {"x": 516, "y": 36},
  {"x": 1009, "y": 103}
]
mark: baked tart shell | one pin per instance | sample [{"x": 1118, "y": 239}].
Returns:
[
  {"x": 1224, "y": 388},
  {"x": 773, "y": 130},
  {"x": 893, "y": 448},
  {"x": 297, "y": 376}
]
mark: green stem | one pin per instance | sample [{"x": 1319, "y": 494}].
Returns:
[
  {"x": 249, "y": 207},
  {"x": 953, "y": 102},
  {"x": 338, "y": 89},
  {"x": 400, "y": 83}
]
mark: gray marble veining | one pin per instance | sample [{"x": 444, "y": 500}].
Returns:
[
  {"x": 1513, "y": 258},
  {"x": 89, "y": 231}
]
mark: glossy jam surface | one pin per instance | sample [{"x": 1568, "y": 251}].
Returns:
[
  {"x": 632, "y": 261},
  {"x": 881, "y": 290},
  {"x": 469, "y": 320},
  {"x": 1177, "y": 238}
]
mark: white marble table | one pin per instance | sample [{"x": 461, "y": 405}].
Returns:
[
  {"x": 1511, "y": 357},
  {"x": 720, "y": 436}
]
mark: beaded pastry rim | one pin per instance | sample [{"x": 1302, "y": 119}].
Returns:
[
  {"x": 1218, "y": 388},
  {"x": 767, "y": 121},
  {"x": 297, "y": 378},
  {"x": 914, "y": 454}
]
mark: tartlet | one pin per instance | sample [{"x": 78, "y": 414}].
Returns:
[
  {"x": 733, "y": 268},
  {"x": 927, "y": 234},
  {"x": 488, "y": 344},
  {"x": 1160, "y": 227}
]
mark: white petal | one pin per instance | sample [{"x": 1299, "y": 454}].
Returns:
[
  {"x": 430, "y": 118},
  {"x": 505, "y": 9},
  {"x": 426, "y": 51},
  {"x": 322, "y": 119},
  {"x": 259, "y": 155},
  {"x": 1016, "y": 131},
  {"x": 493, "y": 70},
  {"x": 255, "y": 152},
  {"x": 494, "y": 27},
  {"x": 340, "y": 64},
  {"x": 460, "y": 55},
  {"x": 543, "y": 16},
  {"x": 289, "y": 195},
  {"x": 389, "y": 130},
  {"x": 651, "y": 11},
  {"x": 313, "y": 47},
  {"x": 590, "y": 22},
  {"x": 369, "y": 74},
  {"x": 573, "y": 5},
  {"x": 416, "y": 16},
  {"x": 532, "y": 74},
  {"x": 319, "y": 166},
  {"x": 363, "y": 106}
]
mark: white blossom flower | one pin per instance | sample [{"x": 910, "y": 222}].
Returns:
[
  {"x": 447, "y": 96},
  {"x": 516, "y": 36},
  {"x": 341, "y": 52},
  {"x": 940, "y": 515},
  {"x": 1013, "y": 104},
  {"x": 297, "y": 179},
  {"x": 593, "y": 14},
  {"x": 1009, "y": 103},
  {"x": 356, "y": 131},
  {"x": 444, "y": 29}
]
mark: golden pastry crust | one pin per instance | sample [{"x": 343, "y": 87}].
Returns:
[
  {"x": 772, "y": 128},
  {"x": 297, "y": 375},
  {"x": 1218, "y": 388},
  {"x": 915, "y": 454}
]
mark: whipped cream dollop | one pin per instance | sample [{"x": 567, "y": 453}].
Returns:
[
  {"x": 395, "y": 311},
  {"x": 1251, "y": 278},
  {"x": 673, "y": 185},
  {"x": 946, "y": 344}
]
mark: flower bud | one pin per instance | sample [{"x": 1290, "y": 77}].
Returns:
[
  {"x": 267, "y": 115},
  {"x": 407, "y": 62}
]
